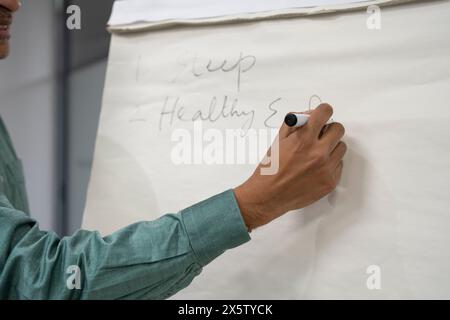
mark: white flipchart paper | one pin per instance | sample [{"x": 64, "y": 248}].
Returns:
[
  {"x": 390, "y": 87},
  {"x": 131, "y": 11}
]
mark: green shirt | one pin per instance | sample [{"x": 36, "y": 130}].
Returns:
[{"x": 145, "y": 260}]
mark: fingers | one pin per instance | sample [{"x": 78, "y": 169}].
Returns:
[
  {"x": 319, "y": 118},
  {"x": 337, "y": 154},
  {"x": 332, "y": 135}
]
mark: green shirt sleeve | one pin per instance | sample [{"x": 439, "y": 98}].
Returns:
[{"x": 145, "y": 260}]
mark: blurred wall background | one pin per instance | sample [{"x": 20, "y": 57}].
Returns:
[
  {"x": 87, "y": 50},
  {"x": 50, "y": 98}
]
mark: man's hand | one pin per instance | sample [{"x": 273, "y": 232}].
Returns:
[{"x": 310, "y": 167}]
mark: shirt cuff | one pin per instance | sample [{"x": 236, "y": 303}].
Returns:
[{"x": 214, "y": 225}]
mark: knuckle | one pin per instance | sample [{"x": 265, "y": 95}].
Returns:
[
  {"x": 319, "y": 157},
  {"x": 305, "y": 140}
]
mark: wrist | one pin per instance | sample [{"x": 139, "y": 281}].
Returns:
[{"x": 250, "y": 210}]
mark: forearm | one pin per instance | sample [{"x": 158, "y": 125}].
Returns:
[{"x": 150, "y": 260}]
